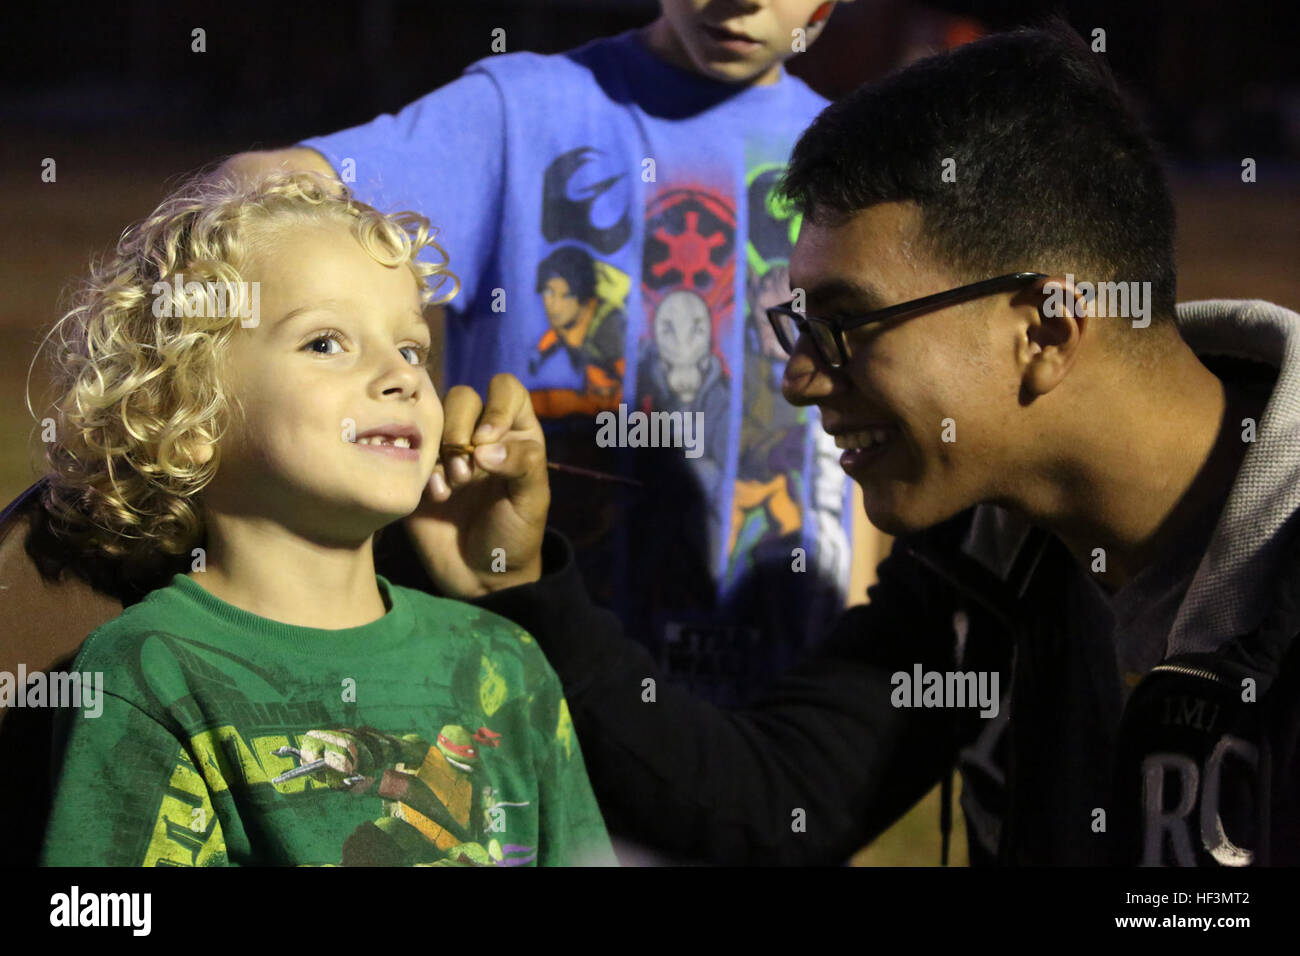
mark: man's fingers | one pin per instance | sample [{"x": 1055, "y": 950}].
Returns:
[
  {"x": 512, "y": 459},
  {"x": 523, "y": 464},
  {"x": 461, "y": 411},
  {"x": 508, "y": 409},
  {"x": 438, "y": 486},
  {"x": 470, "y": 423}
]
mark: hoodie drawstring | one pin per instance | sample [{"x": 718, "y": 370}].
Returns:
[{"x": 960, "y": 627}]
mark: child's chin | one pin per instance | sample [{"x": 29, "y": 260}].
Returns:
[{"x": 388, "y": 510}]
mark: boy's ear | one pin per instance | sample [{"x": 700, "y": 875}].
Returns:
[
  {"x": 821, "y": 14},
  {"x": 816, "y": 24},
  {"x": 202, "y": 452}
]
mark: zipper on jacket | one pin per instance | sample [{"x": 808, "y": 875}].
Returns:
[
  {"x": 1187, "y": 670},
  {"x": 1200, "y": 672}
]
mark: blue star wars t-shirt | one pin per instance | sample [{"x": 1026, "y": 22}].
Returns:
[{"x": 611, "y": 219}]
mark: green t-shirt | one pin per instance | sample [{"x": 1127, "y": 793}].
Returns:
[{"x": 444, "y": 731}]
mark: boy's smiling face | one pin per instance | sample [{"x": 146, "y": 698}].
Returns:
[{"x": 342, "y": 340}]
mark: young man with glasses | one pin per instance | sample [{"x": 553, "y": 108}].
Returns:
[{"x": 1096, "y": 513}]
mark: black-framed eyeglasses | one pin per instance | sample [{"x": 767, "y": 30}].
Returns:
[{"x": 828, "y": 334}]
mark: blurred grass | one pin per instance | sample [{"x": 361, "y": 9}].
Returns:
[
  {"x": 20, "y": 458},
  {"x": 915, "y": 840},
  {"x": 50, "y": 233}
]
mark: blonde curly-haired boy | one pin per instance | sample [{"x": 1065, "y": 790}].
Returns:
[{"x": 243, "y": 381}]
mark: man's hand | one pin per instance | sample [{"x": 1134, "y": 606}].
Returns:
[{"x": 480, "y": 522}]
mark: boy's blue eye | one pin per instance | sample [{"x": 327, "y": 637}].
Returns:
[
  {"x": 421, "y": 353},
  {"x": 326, "y": 337}
]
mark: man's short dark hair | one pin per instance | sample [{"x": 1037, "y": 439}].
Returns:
[
  {"x": 1053, "y": 171},
  {"x": 574, "y": 266}
]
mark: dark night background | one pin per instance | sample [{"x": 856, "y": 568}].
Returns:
[{"x": 1213, "y": 75}]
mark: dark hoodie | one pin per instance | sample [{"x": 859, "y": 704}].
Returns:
[{"x": 1199, "y": 766}]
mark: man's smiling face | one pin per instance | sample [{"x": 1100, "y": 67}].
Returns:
[
  {"x": 907, "y": 376},
  {"x": 342, "y": 339}
]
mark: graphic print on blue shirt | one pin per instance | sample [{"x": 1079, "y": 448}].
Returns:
[
  {"x": 688, "y": 299},
  {"x": 612, "y": 221},
  {"x": 583, "y": 296}
]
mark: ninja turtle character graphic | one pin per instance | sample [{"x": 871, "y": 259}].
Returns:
[{"x": 433, "y": 812}]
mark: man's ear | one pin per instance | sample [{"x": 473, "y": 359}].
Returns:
[
  {"x": 1063, "y": 296},
  {"x": 1056, "y": 315}
]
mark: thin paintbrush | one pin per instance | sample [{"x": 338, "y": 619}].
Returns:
[{"x": 452, "y": 449}]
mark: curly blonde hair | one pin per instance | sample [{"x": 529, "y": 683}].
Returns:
[{"x": 140, "y": 387}]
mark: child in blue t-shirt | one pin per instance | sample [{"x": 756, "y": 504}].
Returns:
[{"x": 616, "y": 232}]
